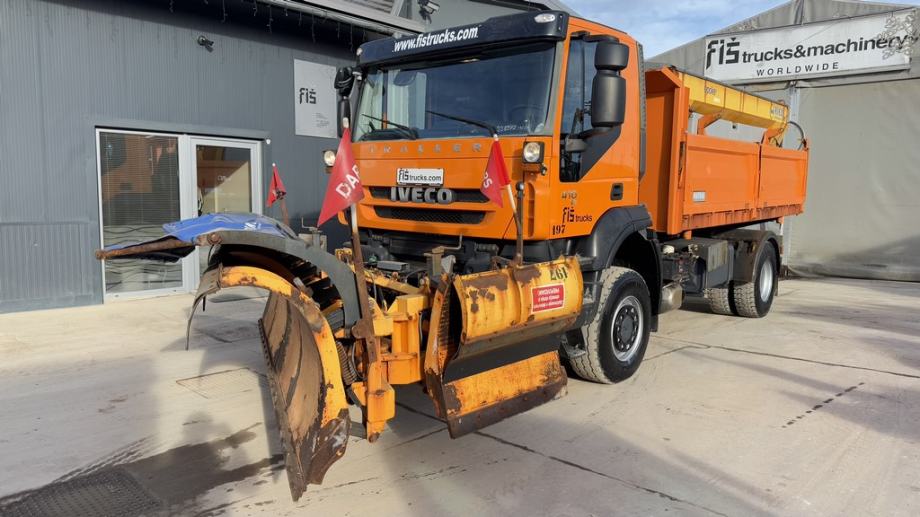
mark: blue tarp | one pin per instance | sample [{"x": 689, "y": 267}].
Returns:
[{"x": 188, "y": 229}]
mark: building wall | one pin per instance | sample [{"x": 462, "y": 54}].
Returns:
[
  {"x": 67, "y": 67},
  {"x": 863, "y": 202}
]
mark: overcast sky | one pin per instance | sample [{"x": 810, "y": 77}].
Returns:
[{"x": 664, "y": 24}]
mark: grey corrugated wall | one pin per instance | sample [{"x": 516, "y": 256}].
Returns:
[
  {"x": 864, "y": 183},
  {"x": 68, "y": 67}
]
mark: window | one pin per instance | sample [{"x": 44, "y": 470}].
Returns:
[
  {"x": 508, "y": 88},
  {"x": 576, "y": 104},
  {"x": 148, "y": 179},
  {"x": 140, "y": 192}
]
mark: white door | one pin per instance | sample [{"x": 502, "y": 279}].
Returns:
[{"x": 225, "y": 179}]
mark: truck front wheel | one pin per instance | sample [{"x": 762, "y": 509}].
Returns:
[
  {"x": 617, "y": 336},
  {"x": 753, "y": 299}
]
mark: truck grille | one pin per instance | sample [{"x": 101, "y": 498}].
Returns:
[
  {"x": 463, "y": 195},
  {"x": 428, "y": 215}
]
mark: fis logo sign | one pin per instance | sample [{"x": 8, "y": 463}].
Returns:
[
  {"x": 726, "y": 51},
  {"x": 307, "y": 96}
]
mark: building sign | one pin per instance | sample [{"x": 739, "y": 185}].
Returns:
[
  {"x": 858, "y": 45},
  {"x": 314, "y": 99}
]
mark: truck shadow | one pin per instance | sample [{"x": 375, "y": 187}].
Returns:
[{"x": 526, "y": 465}]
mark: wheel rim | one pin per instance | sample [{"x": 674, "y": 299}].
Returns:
[
  {"x": 766, "y": 280},
  {"x": 627, "y": 328}
]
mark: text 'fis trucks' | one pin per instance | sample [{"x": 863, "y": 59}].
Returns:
[{"x": 621, "y": 212}]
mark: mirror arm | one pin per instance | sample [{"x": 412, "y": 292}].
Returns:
[{"x": 574, "y": 145}]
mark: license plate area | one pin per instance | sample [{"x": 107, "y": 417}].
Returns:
[{"x": 426, "y": 177}]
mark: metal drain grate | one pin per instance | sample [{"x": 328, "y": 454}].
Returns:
[
  {"x": 226, "y": 383},
  {"x": 108, "y": 493}
]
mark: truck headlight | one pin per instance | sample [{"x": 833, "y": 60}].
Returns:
[
  {"x": 329, "y": 157},
  {"x": 533, "y": 152}
]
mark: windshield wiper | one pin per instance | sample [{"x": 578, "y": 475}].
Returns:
[
  {"x": 493, "y": 131},
  {"x": 409, "y": 131}
]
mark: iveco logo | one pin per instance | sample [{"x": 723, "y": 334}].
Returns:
[{"x": 441, "y": 196}]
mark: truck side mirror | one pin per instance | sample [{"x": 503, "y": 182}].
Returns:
[
  {"x": 611, "y": 55},
  {"x": 344, "y": 81},
  {"x": 343, "y": 110},
  {"x": 608, "y": 93}
]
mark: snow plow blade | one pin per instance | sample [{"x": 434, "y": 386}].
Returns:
[
  {"x": 494, "y": 339},
  {"x": 311, "y": 294},
  {"x": 303, "y": 373}
]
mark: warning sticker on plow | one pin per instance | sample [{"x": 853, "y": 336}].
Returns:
[{"x": 547, "y": 297}]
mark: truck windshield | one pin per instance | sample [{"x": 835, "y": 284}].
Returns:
[{"x": 506, "y": 88}]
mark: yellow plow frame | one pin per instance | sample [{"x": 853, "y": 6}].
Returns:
[{"x": 485, "y": 345}]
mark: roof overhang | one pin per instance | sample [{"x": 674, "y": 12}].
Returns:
[{"x": 380, "y": 16}]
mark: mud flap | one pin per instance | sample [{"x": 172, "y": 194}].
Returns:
[
  {"x": 303, "y": 373},
  {"x": 493, "y": 342}
]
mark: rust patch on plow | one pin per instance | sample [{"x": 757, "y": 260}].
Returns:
[
  {"x": 170, "y": 243},
  {"x": 525, "y": 274},
  {"x": 330, "y": 444},
  {"x": 486, "y": 280}
]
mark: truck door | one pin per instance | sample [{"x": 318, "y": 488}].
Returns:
[{"x": 602, "y": 174}]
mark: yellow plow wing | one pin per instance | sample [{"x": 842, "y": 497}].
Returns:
[
  {"x": 494, "y": 338},
  {"x": 303, "y": 372}
]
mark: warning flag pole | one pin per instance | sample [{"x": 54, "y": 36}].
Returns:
[
  {"x": 508, "y": 187},
  {"x": 277, "y": 192},
  {"x": 284, "y": 212},
  {"x": 518, "y": 217},
  {"x": 376, "y": 387}
]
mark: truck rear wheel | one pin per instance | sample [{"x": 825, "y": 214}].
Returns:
[
  {"x": 617, "y": 336},
  {"x": 753, "y": 299},
  {"x": 720, "y": 300}
]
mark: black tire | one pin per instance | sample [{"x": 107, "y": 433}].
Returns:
[
  {"x": 754, "y": 299},
  {"x": 625, "y": 309},
  {"x": 720, "y": 300}
]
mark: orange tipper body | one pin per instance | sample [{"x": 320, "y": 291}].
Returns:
[
  {"x": 696, "y": 181},
  {"x": 621, "y": 208}
]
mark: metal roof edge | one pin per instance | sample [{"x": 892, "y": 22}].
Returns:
[{"x": 359, "y": 16}]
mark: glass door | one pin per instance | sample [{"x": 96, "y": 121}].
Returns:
[
  {"x": 227, "y": 179},
  {"x": 140, "y": 189},
  {"x": 147, "y": 179}
]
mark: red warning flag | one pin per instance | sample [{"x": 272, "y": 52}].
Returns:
[
  {"x": 344, "y": 187},
  {"x": 276, "y": 190},
  {"x": 496, "y": 175}
]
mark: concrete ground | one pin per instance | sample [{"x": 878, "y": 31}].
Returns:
[{"x": 814, "y": 410}]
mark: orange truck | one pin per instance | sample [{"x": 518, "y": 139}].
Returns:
[
  {"x": 604, "y": 161},
  {"x": 622, "y": 206}
]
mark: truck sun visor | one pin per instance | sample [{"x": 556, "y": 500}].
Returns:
[{"x": 549, "y": 25}]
